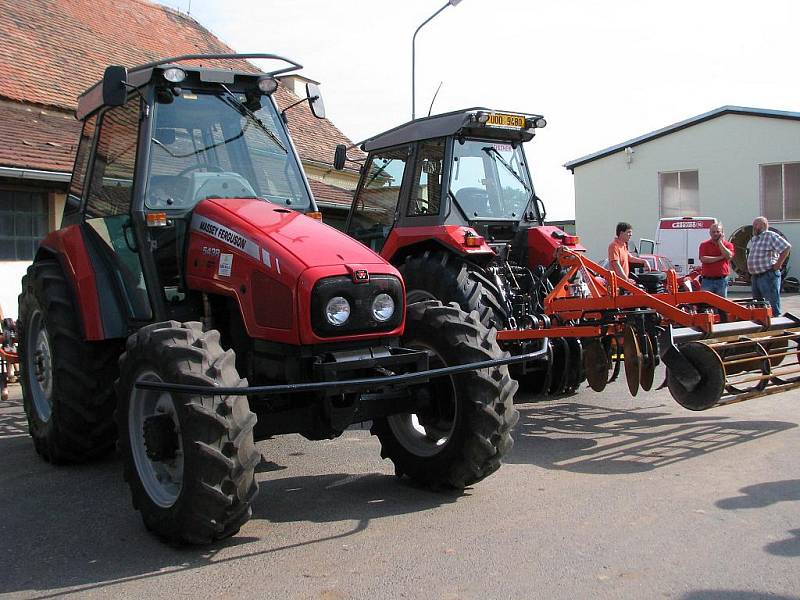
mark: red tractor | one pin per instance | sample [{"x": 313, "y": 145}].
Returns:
[
  {"x": 185, "y": 268},
  {"x": 449, "y": 201}
]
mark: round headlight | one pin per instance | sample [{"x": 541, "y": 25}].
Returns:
[
  {"x": 267, "y": 85},
  {"x": 383, "y": 307},
  {"x": 174, "y": 75},
  {"x": 337, "y": 311}
]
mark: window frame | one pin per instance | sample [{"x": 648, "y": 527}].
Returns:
[
  {"x": 761, "y": 192},
  {"x": 679, "y": 172},
  {"x": 12, "y": 239}
]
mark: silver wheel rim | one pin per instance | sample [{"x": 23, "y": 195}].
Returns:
[
  {"x": 420, "y": 434},
  {"x": 162, "y": 480},
  {"x": 39, "y": 365}
]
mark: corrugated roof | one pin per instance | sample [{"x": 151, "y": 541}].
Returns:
[
  {"x": 53, "y": 50},
  {"x": 642, "y": 139}
]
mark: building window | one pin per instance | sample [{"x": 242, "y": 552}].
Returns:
[
  {"x": 780, "y": 191},
  {"x": 679, "y": 194},
  {"x": 23, "y": 222}
]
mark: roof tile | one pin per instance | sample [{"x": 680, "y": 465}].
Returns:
[{"x": 51, "y": 51}]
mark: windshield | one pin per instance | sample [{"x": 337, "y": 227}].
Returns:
[
  {"x": 220, "y": 145},
  {"x": 490, "y": 179}
]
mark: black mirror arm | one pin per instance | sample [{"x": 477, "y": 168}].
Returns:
[
  {"x": 292, "y": 105},
  {"x": 138, "y": 93}
]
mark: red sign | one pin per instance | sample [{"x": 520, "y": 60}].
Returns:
[{"x": 686, "y": 224}]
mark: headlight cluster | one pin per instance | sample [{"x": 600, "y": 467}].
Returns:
[{"x": 340, "y": 306}]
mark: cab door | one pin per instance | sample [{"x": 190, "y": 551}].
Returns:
[
  {"x": 107, "y": 212},
  {"x": 375, "y": 205}
]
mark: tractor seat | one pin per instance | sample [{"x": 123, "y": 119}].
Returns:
[{"x": 653, "y": 281}]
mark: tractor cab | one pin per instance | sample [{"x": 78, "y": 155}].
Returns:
[
  {"x": 461, "y": 169},
  {"x": 158, "y": 140}
]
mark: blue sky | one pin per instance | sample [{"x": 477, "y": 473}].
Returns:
[{"x": 601, "y": 72}]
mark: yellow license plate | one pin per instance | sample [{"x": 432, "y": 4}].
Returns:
[{"x": 503, "y": 120}]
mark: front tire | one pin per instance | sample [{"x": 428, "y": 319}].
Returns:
[
  {"x": 189, "y": 460},
  {"x": 464, "y": 431},
  {"x": 67, "y": 382},
  {"x": 441, "y": 275}
]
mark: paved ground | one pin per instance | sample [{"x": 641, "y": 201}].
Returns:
[{"x": 603, "y": 496}]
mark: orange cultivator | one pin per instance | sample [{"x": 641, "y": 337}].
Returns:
[{"x": 716, "y": 351}]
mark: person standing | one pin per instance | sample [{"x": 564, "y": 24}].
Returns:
[
  {"x": 715, "y": 255},
  {"x": 619, "y": 259},
  {"x": 768, "y": 252}
]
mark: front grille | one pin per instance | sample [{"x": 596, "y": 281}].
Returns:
[{"x": 360, "y": 297}]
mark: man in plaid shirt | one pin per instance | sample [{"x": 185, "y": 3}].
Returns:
[{"x": 768, "y": 252}]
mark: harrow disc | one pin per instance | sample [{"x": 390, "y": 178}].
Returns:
[
  {"x": 633, "y": 359},
  {"x": 712, "y": 378},
  {"x": 596, "y": 363},
  {"x": 648, "y": 369}
]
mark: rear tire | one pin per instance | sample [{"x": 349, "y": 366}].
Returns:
[
  {"x": 189, "y": 460},
  {"x": 67, "y": 382},
  {"x": 465, "y": 431}
]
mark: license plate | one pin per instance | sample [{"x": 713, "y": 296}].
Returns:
[{"x": 503, "y": 120}]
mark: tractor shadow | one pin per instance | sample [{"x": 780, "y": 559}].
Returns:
[
  {"x": 762, "y": 495},
  {"x": 594, "y": 439},
  {"x": 73, "y": 529}
]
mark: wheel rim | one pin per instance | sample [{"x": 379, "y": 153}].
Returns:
[
  {"x": 39, "y": 367},
  {"x": 161, "y": 479},
  {"x": 426, "y": 434}
]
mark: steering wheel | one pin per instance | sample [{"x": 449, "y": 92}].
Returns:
[{"x": 197, "y": 166}]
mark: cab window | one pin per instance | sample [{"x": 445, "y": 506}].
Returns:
[
  {"x": 426, "y": 196},
  {"x": 376, "y": 203}
]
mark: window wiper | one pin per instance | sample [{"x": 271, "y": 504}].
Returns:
[
  {"x": 490, "y": 150},
  {"x": 246, "y": 112}
]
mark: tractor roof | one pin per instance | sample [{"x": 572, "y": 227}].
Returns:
[
  {"x": 465, "y": 121},
  {"x": 92, "y": 99}
]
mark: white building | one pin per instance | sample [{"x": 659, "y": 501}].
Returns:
[{"x": 732, "y": 163}]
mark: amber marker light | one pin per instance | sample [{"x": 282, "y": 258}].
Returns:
[
  {"x": 472, "y": 240},
  {"x": 157, "y": 219},
  {"x": 315, "y": 215}
]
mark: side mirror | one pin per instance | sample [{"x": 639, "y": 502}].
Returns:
[
  {"x": 115, "y": 79},
  {"x": 339, "y": 157},
  {"x": 315, "y": 100}
]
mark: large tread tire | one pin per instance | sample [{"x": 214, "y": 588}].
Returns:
[
  {"x": 484, "y": 409},
  {"x": 215, "y": 433},
  {"x": 441, "y": 275},
  {"x": 77, "y": 387}
]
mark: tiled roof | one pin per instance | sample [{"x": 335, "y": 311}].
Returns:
[
  {"x": 331, "y": 195},
  {"x": 36, "y": 138},
  {"x": 51, "y": 51}
]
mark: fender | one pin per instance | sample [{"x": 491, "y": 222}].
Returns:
[
  {"x": 69, "y": 247},
  {"x": 450, "y": 236}
]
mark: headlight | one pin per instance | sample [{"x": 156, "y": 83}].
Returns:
[
  {"x": 383, "y": 307},
  {"x": 174, "y": 75},
  {"x": 337, "y": 311}
]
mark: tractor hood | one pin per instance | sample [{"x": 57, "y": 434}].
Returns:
[{"x": 261, "y": 223}]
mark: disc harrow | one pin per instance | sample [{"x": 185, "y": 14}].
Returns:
[{"x": 716, "y": 351}]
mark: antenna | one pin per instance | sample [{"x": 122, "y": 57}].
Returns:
[{"x": 434, "y": 98}]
